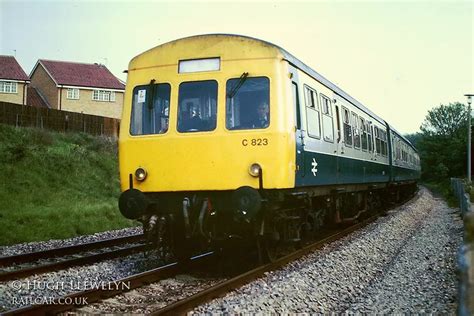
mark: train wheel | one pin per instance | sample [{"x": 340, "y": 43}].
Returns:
[
  {"x": 273, "y": 244},
  {"x": 270, "y": 248}
]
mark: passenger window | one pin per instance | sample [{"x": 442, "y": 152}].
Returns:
[
  {"x": 355, "y": 123},
  {"x": 363, "y": 126},
  {"x": 398, "y": 149},
  {"x": 338, "y": 124},
  {"x": 384, "y": 142},
  {"x": 313, "y": 119},
  {"x": 347, "y": 128},
  {"x": 378, "y": 145},
  {"x": 370, "y": 133},
  {"x": 328, "y": 124},
  {"x": 150, "y": 109},
  {"x": 247, "y": 105},
  {"x": 197, "y": 106}
]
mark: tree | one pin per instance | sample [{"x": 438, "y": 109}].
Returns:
[
  {"x": 413, "y": 138},
  {"x": 445, "y": 120},
  {"x": 442, "y": 145}
]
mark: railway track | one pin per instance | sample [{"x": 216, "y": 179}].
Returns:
[
  {"x": 171, "y": 270},
  {"x": 222, "y": 288},
  {"x": 92, "y": 295},
  {"x": 29, "y": 263}
]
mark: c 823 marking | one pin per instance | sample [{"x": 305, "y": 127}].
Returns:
[{"x": 255, "y": 142}]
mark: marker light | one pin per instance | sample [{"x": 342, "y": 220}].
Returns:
[
  {"x": 140, "y": 174},
  {"x": 254, "y": 170}
]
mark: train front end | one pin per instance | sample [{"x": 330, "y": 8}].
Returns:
[{"x": 207, "y": 133}]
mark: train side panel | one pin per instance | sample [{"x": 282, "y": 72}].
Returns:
[
  {"x": 329, "y": 158},
  {"x": 405, "y": 159}
]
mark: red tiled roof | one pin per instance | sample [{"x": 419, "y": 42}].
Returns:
[
  {"x": 33, "y": 98},
  {"x": 83, "y": 75},
  {"x": 10, "y": 69}
]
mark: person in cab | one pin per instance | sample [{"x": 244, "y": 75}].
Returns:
[{"x": 261, "y": 120}]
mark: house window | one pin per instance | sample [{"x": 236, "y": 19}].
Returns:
[
  {"x": 103, "y": 95},
  {"x": 73, "y": 94},
  {"x": 8, "y": 87}
]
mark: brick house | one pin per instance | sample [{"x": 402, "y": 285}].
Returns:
[
  {"x": 78, "y": 87},
  {"x": 13, "y": 81}
]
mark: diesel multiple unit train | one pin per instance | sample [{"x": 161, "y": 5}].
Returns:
[{"x": 230, "y": 138}]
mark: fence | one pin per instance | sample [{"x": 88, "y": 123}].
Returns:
[
  {"x": 464, "y": 201},
  {"x": 466, "y": 253},
  {"x": 60, "y": 121}
]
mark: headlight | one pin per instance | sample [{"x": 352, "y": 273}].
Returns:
[
  {"x": 140, "y": 174},
  {"x": 254, "y": 170}
]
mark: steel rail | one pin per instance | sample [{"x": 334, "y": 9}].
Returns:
[
  {"x": 224, "y": 287},
  {"x": 170, "y": 270},
  {"x": 87, "y": 259},
  {"x": 62, "y": 251},
  {"x": 187, "y": 304},
  {"x": 93, "y": 295}
]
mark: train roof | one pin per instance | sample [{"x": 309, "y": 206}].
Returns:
[
  {"x": 402, "y": 137},
  {"x": 308, "y": 70},
  {"x": 305, "y": 68},
  {"x": 302, "y": 66}
]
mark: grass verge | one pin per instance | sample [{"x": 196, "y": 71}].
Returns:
[
  {"x": 56, "y": 185},
  {"x": 443, "y": 189}
]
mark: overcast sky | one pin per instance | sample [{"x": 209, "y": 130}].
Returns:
[{"x": 399, "y": 58}]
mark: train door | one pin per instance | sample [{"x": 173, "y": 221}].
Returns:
[
  {"x": 390, "y": 140},
  {"x": 339, "y": 146},
  {"x": 374, "y": 142},
  {"x": 300, "y": 172},
  {"x": 340, "y": 149},
  {"x": 329, "y": 141}
]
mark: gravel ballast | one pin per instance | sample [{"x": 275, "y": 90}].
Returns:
[
  {"x": 57, "y": 243},
  {"x": 47, "y": 286},
  {"x": 402, "y": 263}
]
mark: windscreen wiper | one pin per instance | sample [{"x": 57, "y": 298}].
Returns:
[
  {"x": 234, "y": 90},
  {"x": 152, "y": 94}
]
